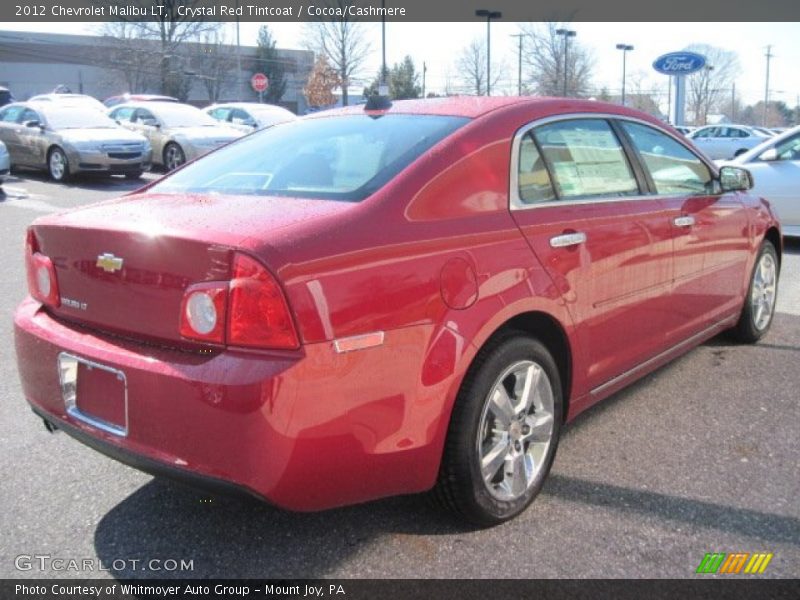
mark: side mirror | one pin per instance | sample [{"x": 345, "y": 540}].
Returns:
[
  {"x": 768, "y": 155},
  {"x": 735, "y": 179},
  {"x": 33, "y": 124}
]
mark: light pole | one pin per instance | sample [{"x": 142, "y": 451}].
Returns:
[
  {"x": 383, "y": 88},
  {"x": 769, "y": 56},
  {"x": 567, "y": 33},
  {"x": 708, "y": 69},
  {"x": 625, "y": 49},
  {"x": 489, "y": 14},
  {"x": 519, "y": 37}
]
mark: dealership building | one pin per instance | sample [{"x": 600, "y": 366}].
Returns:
[{"x": 35, "y": 63}]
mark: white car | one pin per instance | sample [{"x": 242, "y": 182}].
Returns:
[
  {"x": 249, "y": 116},
  {"x": 726, "y": 141},
  {"x": 775, "y": 166}
]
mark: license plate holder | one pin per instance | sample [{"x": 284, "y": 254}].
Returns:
[{"x": 93, "y": 393}]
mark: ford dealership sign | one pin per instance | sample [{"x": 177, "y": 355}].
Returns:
[{"x": 679, "y": 63}]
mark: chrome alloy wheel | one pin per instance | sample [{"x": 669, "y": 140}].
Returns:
[
  {"x": 516, "y": 430},
  {"x": 58, "y": 164},
  {"x": 763, "y": 291}
]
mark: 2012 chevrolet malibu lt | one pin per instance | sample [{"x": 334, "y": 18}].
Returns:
[{"x": 390, "y": 300}]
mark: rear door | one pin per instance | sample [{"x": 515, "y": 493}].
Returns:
[
  {"x": 710, "y": 230},
  {"x": 607, "y": 245}
]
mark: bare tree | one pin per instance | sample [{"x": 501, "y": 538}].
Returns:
[
  {"x": 709, "y": 88},
  {"x": 471, "y": 65},
  {"x": 342, "y": 42},
  {"x": 214, "y": 64},
  {"x": 170, "y": 29},
  {"x": 544, "y": 61},
  {"x": 131, "y": 58}
]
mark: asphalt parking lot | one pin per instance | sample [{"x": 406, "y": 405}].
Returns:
[{"x": 701, "y": 456}]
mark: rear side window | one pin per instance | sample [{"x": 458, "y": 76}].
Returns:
[
  {"x": 673, "y": 168},
  {"x": 339, "y": 158},
  {"x": 534, "y": 180},
  {"x": 586, "y": 159}
]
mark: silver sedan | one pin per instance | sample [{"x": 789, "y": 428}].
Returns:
[
  {"x": 66, "y": 140},
  {"x": 177, "y": 132},
  {"x": 249, "y": 116},
  {"x": 775, "y": 166},
  {"x": 722, "y": 142}
]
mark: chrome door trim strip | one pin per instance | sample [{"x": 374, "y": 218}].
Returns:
[{"x": 690, "y": 341}]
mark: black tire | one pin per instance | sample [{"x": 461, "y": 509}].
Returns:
[
  {"x": 134, "y": 175},
  {"x": 174, "y": 156},
  {"x": 460, "y": 487},
  {"x": 57, "y": 165},
  {"x": 747, "y": 330}
]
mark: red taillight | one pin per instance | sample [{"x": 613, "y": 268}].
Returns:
[
  {"x": 259, "y": 316},
  {"x": 252, "y": 305},
  {"x": 42, "y": 282},
  {"x": 203, "y": 312}
]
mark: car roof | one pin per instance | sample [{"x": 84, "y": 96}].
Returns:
[
  {"x": 259, "y": 105},
  {"x": 149, "y": 104},
  {"x": 472, "y": 107}
]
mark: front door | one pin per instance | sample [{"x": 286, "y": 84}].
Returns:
[
  {"x": 606, "y": 244},
  {"x": 711, "y": 231}
]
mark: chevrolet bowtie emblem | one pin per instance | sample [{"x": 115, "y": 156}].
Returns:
[{"x": 109, "y": 263}]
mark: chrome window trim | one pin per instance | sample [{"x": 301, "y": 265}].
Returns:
[{"x": 516, "y": 203}]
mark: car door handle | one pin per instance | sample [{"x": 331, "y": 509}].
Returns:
[
  {"x": 684, "y": 221},
  {"x": 568, "y": 239}
]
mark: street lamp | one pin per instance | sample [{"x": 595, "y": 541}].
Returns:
[
  {"x": 567, "y": 33},
  {"x": 519, "y": 37},
  {"x": 383, "y": 87},
  {"x": 625, "y": 48},
  {"x": 489, "y": 14}
]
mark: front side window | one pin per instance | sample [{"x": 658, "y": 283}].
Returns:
[
  {"x": 339, "y": 158},
  {"x": 586, "y": 159},
  {"x": 673, "y": 168},
  {"x": 789, "y": 149}
]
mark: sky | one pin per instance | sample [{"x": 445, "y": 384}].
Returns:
[{"x": 439, "y": 44}]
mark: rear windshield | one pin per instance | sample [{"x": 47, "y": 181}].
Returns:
[{"x": 338, "y": 158}]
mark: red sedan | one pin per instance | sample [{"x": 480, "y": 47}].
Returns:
[{"x": 374, "y": 302}]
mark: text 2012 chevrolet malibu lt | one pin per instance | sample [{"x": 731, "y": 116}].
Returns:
[{"x": 377, "y": 302}]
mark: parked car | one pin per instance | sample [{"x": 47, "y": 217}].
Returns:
[
  {"x": 5, "y": 163},
  {"x": 66, "y": 140},
  {"x": 775, "y": 166},
  {"x": 114, "y": 100},
  {"x": 247, "y": 116},
  {"x": 178, "y": 132},
  {"x": 364, "y": 303},
  {"x": 726, "y": 141},
  {"x": 6, "y": 97},
  {"x": 77, "y": 100}
]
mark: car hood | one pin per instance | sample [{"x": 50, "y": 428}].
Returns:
[
  {"x": 104, "y": 135},
  {"x": 205, "y": 133}
]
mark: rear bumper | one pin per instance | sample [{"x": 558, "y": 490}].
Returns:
[
  {"x": 148, "y": 465},
  {"x": 304, "y": 430}
]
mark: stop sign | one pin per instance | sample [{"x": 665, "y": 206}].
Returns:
[{"x": 260, "y": 82}]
